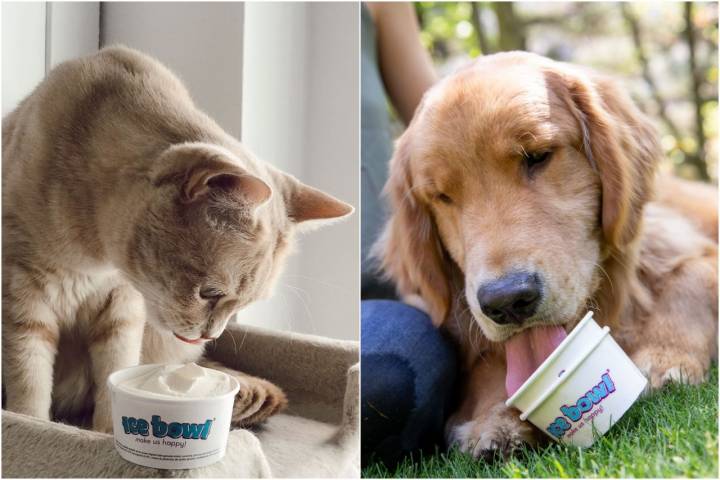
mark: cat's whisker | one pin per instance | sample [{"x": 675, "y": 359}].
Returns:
[
  {"x": 242, "y": 342},
  {"x": 279, "y": 296},
  {"x": 320, "y": 282},
  {"x": 297, "y": 291},
  {"x": 235, "y": 347}
]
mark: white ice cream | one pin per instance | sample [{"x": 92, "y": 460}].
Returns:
[{"x": 189, "y": 380}]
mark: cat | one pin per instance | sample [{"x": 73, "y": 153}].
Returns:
[{"x": 133, "y": 228}]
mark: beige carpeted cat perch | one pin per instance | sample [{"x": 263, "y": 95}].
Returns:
[{"x": 317, "y": 436}]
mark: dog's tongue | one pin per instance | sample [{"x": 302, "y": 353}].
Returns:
[{"x": 525, "y": 352}]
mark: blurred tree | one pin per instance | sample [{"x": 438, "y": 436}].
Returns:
[
  {"x": 511, "y": 30},
  {"x": 697, "y": 158},
  {"x": 660, "y": 102}
]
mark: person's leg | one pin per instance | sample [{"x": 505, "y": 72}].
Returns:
[{"x": 408, "y": 379}]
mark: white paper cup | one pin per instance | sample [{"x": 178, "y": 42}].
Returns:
[
  {"x": 171, "y": 433},
  {"x": 582, "y": 389}
]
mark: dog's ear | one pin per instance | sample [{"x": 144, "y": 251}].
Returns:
[
  {"x": 410, "y": 250},
  {"x": 619, "y": 141}
]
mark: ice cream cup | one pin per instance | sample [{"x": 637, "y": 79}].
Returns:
[
  {"x": 583, "y": 388},
  {"x": 166, "y": 432}
]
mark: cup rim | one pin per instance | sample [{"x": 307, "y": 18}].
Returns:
[
  {"x": 113, "y": 387},
  {"x": 546, "y": 363}
]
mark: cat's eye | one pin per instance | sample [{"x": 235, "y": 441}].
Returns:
[
  {"x": 211, "y": 294},
  {"x": 536, "y": 160}
]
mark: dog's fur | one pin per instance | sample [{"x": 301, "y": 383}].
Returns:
[
  {"x": 466, "y": 209},
  {"x": 133, "y": 228}
]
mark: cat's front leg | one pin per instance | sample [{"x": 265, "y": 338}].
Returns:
[
  {"x": 30, "y": 337},
  {"x": 257, "y": 400},
  {"x": 115, "y": 341}
]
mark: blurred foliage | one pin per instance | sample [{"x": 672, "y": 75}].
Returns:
[{"x": 653, "y": 46}]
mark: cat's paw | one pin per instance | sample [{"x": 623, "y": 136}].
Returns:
[
  {"x": 498, "y": 431},
  {"x": 662, "y": 366},
  {"x": 256, "y": 401},
  {"x": 102, "y": 423}
]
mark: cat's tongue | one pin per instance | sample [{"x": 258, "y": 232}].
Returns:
[{"x": 525, "y": 352}]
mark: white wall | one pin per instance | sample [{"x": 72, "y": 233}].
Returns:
[
  {"x": 23, "y": 50},
  {"x": 273, "y": 113},
  {"x": 301, "y": 114},
  {"x": 73, "y": 30},
  {"x": 200, "y": 41},
  {"x": 36, "y": 36},
  {"x": 330, "y": 258}
]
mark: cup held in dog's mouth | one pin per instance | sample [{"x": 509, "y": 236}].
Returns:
[
  {"x": 171, "y": 416},
  {"x": 581, "y": 388}
]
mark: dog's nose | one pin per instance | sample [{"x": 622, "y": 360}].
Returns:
[{"x": 512, "y": 298}]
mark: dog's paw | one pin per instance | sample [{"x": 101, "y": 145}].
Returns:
[
  {"x": 256, "y": 401},
  {"x": 498, "y": 432},
  {"x": 662, "y": 366}
]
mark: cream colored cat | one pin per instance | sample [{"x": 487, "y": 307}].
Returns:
[{"x": 133, "y": 227}]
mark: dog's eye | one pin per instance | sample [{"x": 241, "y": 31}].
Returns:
[
  {"x": 211, "y": 294},
  {"x": 535, "y": 160},
  {"x": 444, "y": 198}
]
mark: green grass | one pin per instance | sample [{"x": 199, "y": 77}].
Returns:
[{"x": 671, "y": 433}]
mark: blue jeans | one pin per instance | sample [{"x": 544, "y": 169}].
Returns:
[{"x": 408, "y": 381}]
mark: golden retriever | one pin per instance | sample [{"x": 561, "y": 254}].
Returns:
[{"x": 523, "y": 194}]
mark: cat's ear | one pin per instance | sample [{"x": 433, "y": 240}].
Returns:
[
  {"x": 309, "y": 206},
  {"x": 199, "y": 172},
  {"x": 203, "y": 179}
]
